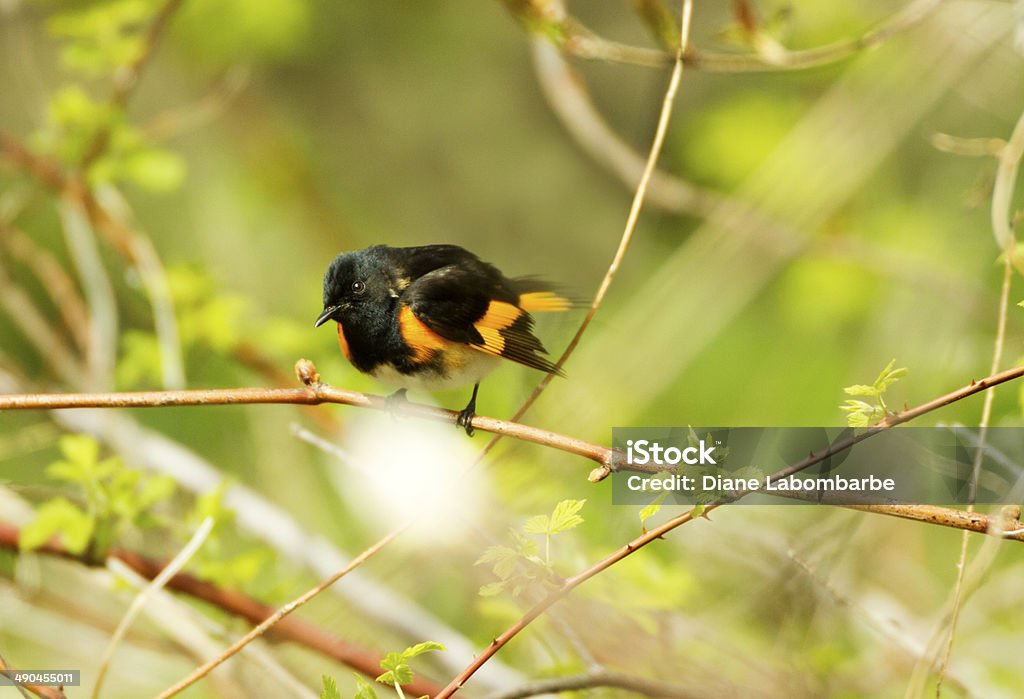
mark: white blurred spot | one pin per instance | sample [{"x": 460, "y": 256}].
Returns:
[{"x": 399, "y": 469}]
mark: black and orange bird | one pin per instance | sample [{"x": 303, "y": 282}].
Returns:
[{"x": 434, "y": 317}]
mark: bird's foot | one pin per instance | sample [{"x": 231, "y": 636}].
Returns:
[
  {"x": 395, "y": 401},
  {"x": 465, "y": 419},
  {"x": 466, "y": 415}
]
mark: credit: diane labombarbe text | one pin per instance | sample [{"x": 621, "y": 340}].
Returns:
[{"x": 927, "y": 465}]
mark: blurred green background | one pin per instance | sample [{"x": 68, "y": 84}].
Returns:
[{"x": 829, "y": 236}]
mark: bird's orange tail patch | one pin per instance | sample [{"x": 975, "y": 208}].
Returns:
[{"x": 544, "y": 301}]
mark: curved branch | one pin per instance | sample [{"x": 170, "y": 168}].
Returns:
[
  {"x": 40, "y": 691},
  {"x": 300, "y": 631},
  {"x": 599, "y": 678},
  {"x": 581, "y": 42},
  {"x": 890, "y": 421}
]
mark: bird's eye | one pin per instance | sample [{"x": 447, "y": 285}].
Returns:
[{"x": 358, "y": 287}]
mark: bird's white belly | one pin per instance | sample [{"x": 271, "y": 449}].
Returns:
[{"x": 469, "y": 369}]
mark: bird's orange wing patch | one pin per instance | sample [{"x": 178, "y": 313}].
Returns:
[
  {"x": 423, "y": 341},
  {"x": 544, "y": 301},
  {"x": 500, "y": 316}
]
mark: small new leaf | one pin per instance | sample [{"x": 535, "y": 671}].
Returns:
[
  {"x": 330, "y": 688},
  {"x": 862, "y": 414},
  {"x": 58, "y": 516},
  {"x": 565, "y": 516},
  {"x": 538, "y": 524},
  {"x": 860, "y": 389},
  {"x": 889, "y": 376},
  {"x": 421, "y": 648},
  {"x": 364, "y": 689},
  {"x": 397, "y": 667},
  {"x": 653, "y": 508}
]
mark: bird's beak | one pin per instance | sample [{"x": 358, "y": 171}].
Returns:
[{"x": 325, "y": 316}]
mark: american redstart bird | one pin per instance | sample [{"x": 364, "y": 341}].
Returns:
[{"x": 434, "y": 317}]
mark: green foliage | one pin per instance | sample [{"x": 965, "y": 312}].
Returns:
[
  {"x": 860, "y": 413},
  {"x": 259, "y": 30},
  {"x": 139, "y": 364},
  {"x": 364, "y": 690},
  {"x": 115, "y": 497},
  {"x": 205, "y": 318},
  {"x": 74, "y": 123},
  {"x": 396, "y": 665},
  {"x": 100, "y": 38},
  {"x": 214, "y": 562},
  {"x": 98, "y": 41},
  {"x": 330, "y": 688},
  {"x": 58, "y": 517},
  {"x": 564, "y": 517},
  {"x": 518, "y": 566},
  {"x": 652, "y": 509}
]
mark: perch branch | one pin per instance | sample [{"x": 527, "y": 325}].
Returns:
[{"x": 314, "y": 393}]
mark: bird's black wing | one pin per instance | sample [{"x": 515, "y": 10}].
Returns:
[{"x": 473, "y": 303}]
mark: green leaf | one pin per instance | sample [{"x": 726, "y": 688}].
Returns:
[
  {"x": 538, "y": 524},
  {"x": 653, "y": 508},
  {"x": 80, "y": 449},
  {"x": 58, "y": 517},
  {"x": 400, "y": 675},
  {"x": 565, "y": 516},
  {"x": 330, "y": 688},
  {"x": 155, "y": 489},
  {"x": 154, "y": 169},
  {"x": 397, "y": 664},
  {"x": 139, "y": 365},
  {"x": 392, "y": 661},
  {"x": 861, "y": 390},
  {"x": 421, "y": 648},
  {"x": 492, "y": 589},
  {"x": 889, "y": 376},
  {"x": 364, "y": 689},
  {"x": 502, "y": 558}
]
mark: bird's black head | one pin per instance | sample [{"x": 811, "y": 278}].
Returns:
[{"x": 356, "y": 281}]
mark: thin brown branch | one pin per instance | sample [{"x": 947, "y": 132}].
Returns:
[
  {"x": 38, "y": 690},
  {"x": 295, "y": 629},
  {"x": 631, "y": 220},
  {"x": 44, "y": 170},
  {"x": 1009, "y": 161},
  {"x": 253, "y": 357},
  {"x": 53, "y": 278},
  {"x": 55, "y": 353},
  {"x": 581, "y": 42},
  {"x": 600, "y": 678},
  {"x": 127, "y": 78},
  {"x": 968, "y": 521},
  {"x": 892, "y": 420},
  {"x": 313, "y": 393},
  {"x": 275, "y": 618}
]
